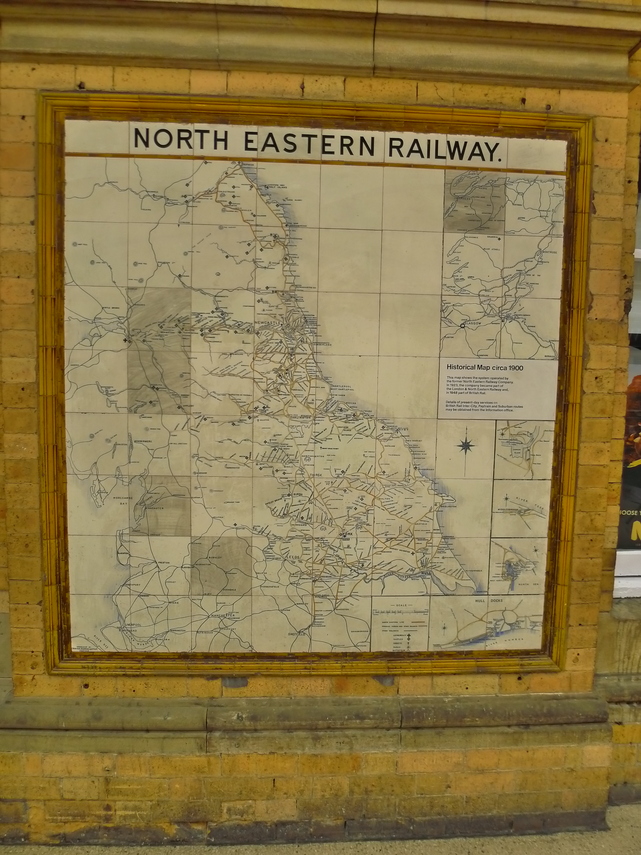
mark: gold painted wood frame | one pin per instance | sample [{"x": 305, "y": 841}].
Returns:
[{"x": 54, "y": 109}]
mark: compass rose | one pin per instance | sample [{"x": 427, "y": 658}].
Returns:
[{"x": 465, "y": 446}]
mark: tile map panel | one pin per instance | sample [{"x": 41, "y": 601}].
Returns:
[{"x": 310, "y": 387}]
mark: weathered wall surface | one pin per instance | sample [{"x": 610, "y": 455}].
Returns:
[
  {"x": 604, "y": 378},
  {"x": 187, "y": 779}
]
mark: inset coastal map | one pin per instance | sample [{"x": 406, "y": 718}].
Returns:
[{"x": 310, "y": 394}]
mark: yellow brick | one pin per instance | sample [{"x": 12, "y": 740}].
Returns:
[
  {"x": 529, "y": 802},
  {"x": 151, "y": 687},
  {"x": 26, "y": 639},
  {"x": 132, "y": 765},
  {"x": 28, "y": 663},
  {"x": 610, "y": 155},
  {"x": 21, "y": 445},
  {"x": 16, "y": 264},
  {"x": 83, "y": 811},
  {"x": 550, "y": 682},
  {"x": 622, "y": 755},
  {"x": 25, "y": 592},
  {"x": 380, "y": 89},
  {"x": 488, "y": 782},
  {"x": 626, "y": 733},
  {"x": 203, "y": 687},
  {"x": 608, "y": 181},
  {"x": 608, "y": 203},
  {"x": 586, "y": 523},
  {"x": 594, "y": 453},
  {"x": 482, "y": 758},
  {"x": 17, "y": 293},
  {"x": 361, "y": 686},
  {"x": 33, "y": 765},
  {"x": 235, "y": 789},
  {"x": 18, "y": 370},
  {"x": 207, "y": 82},
  {"x": 18, "y": 343},
  {"x": 432, "y": 783},
  {"x": 19, "y": 75},
  {"x": 542, "y": 100},
  {"x": 596, "y": 755},
  {"x": 271, "y": 687},
  {"x": 580, "y": 660},
  {"x": 65, "y": 765},
  {"x": 259, "y": 83},
  {"x": 609, "y": 308},
  {"x": 43, "y": 684},
  {"x": 532, "y": 758},
  {"x": 133, "y": 79},
  {"x": 329, "y": 764},
  {"x": 334, "y": 786},
  {"x": 415, "y": 685},
  {"x": 17, "y": 155},
  {"x": 18, "y": 237},
  {"x": 325, "y": 87},
  {"x": 288, "y": 788},
  {"x": 582, "y": 636},
  {"x": 175, "y": 766},
  {"x": 17, "y": 129},
  {"x": 96, "y": 77},
  {"x": 430, "y": 761},
  {"x": 185, "y": 788},
  {"x": 435, "y": 93},
  {"x": 14, "y": 182},
  {"x": 607, "y": 282},
  {"x": 259, "y": 764},
  {"x": 373, "y": 764},
  {"x": 17, "y": 210},
  {"x": 137, "y": 788},
  {"x": 21, "y": 470},
  {"x": 279, "y": 809},
  {"x": 98, "y": 687},
  {"x": 601, "y": 380},
  {"x": 583, "y": 615},
  {"x": 467, "y": 684},
  {"x": 601, "y": 356},
  {"x": 593, "y": 477},
  {"x": 29, "y": 788},
  {"x": 590, "y": 499},
  {"x": 11, "y": 764},
  {"x": 18, "y": 102},
  {"x": 584, "y": 799},
  {"x": 83, "y": 788},
  {"x": 605, "y": 257},
  {"x": 593, "y": 103},
  {"x": 483, "y": 804},
  {"x": 238, "y": 810},
  {"x": 23, "y": 520},
  {"x": 434, "y": 806},
  {"x": 487, "y": 95}
]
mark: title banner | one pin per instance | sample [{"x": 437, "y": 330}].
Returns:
[{"x": 282, "y": 143}]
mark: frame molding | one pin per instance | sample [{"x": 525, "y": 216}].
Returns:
[{"x": 54, "y": 108}]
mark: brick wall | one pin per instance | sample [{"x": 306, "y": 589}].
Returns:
[
  {"x": 604, "y": 381},
  {"x": 177, "y": 789},
  {"x": 301, "y": 785}
]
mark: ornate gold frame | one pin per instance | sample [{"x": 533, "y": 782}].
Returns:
[{"x": 53, "y": 109}]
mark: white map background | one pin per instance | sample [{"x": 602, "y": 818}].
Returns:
[{"x": 254, "y": 460}]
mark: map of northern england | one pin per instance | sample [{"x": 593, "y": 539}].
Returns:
[{"x": 254, "y": 460}]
